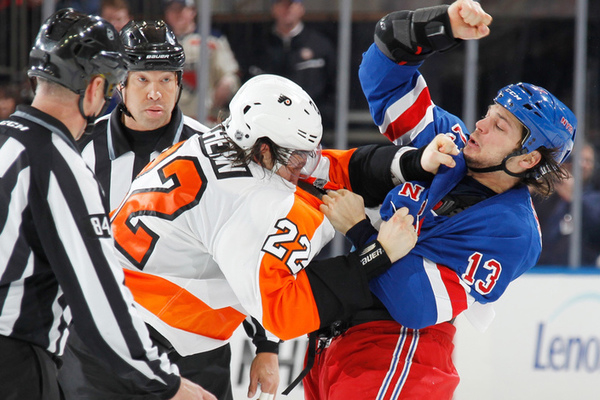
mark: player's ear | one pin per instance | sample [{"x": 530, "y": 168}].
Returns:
[
  {"x": 264, "y": 157},
  {"x": 94, "y": 96},
  {"x": 530, "y": 160}
]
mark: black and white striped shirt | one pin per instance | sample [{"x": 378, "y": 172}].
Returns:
[
  {"x": 112, "y": 154},
  {"x": 57, "y": 258}
]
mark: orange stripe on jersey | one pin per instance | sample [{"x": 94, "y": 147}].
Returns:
[
  {"x": 338, "y": 171},
  {"x": 289, "y": 308},
  {"x": 308, "y": 198},
  {"x": 181, "y": 309}
]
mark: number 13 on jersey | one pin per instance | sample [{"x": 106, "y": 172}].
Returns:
[{"x": 483, "y": 286}]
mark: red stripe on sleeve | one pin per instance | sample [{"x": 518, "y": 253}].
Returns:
[
  {"x": 410, "y": 118},
  {"x": 458, "y": 296}
]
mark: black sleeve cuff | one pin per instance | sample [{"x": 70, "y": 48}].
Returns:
[
  {"x": 257, "y": 333},
  {"x": 169, "y": 394},
  {"x": 266, "y": 346},
  {"x": 360, "y": 233},
  {"x": 410, "y": 165},
  {"x": 373, "y": 259}
]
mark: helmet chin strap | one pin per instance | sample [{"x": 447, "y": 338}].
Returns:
[
  {"x": 502, "y": 166},
  {"x": 122, "y": 105},
  {"x": 179, "y": 85},
  {"x": 276, "y": 167},
  {"x": 90, "y": 119}
]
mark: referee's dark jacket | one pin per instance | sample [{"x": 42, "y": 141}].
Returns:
[{"x": 57, "y": 258}]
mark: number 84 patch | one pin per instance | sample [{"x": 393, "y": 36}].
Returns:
[{"x": 98, "y": 226}]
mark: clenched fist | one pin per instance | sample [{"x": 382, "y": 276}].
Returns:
[{"x": 468, "y": 20}]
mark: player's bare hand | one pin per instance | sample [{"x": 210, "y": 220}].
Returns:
[
  {"x": 468, "y": 20},
  {"x": 439, "y": 152},
  {"x": 343, "y": 208},
  {"x": 264, "y": 371},
  {"x": 188, "y": 390},
  {"x": 397, "y": 235}
]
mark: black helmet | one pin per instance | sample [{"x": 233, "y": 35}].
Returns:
[
  {"x": 71, "y": 48},
  {"x": 151, "y": 46}
]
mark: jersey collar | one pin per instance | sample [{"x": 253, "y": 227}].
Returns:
[{"x": 117, "y": 142}]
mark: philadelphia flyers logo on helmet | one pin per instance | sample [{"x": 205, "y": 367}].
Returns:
[{"x": 285, "y": 100}]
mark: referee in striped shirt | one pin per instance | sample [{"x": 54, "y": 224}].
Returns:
[
  {"x": 147, "y": 121},
  {"x": 57, "y": 260}
]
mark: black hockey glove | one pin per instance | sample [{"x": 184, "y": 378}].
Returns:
[{"x": 411, "y": 36}]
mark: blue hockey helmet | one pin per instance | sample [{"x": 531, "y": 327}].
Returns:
[{"x": 548, "y": 121}]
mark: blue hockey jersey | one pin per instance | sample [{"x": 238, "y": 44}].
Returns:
[{"x": 469, "y": 257}]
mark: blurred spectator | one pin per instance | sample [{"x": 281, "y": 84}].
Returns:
[
  {"x": 557, "y": 223},
  {"x": 224, "y": 79},
  {"x": 118, "y": 13},
  {"x": 10, "y": 97},
  {"x": 85, "y": 6},
  {"x": 301, "y": 54}
]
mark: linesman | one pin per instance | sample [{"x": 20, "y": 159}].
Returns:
[{"x": 57, "y": 261}]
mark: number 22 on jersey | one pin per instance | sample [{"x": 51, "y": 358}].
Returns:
[{"x": 288, "y": 246}]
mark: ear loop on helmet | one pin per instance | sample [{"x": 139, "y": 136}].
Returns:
[
  {"x": 33, "y": 83},
  {"x": 122, "y": 107}
]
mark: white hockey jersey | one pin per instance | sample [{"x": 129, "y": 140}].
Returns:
[{"x": 204, "y": 244}]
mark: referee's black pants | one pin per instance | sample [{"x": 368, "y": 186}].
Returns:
[
  {"x": 26, "y": 372},
  {"x": 83, "y": 376}
]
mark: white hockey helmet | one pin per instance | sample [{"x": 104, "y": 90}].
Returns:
[{"x": 274, "y": 107}]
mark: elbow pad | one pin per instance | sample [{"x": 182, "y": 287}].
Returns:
[{"x": 411, "y": 36}]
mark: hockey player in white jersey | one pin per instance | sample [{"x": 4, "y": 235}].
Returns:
[{"x": 215, "y": 229}]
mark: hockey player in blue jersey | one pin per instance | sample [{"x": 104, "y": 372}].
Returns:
[{"x": 477, "y": 227}]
